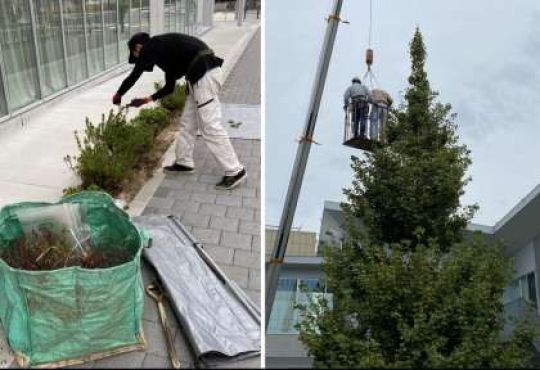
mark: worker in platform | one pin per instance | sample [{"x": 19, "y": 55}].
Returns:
[
  {"x": 180, "y": 55},
  {"x": 359, "y": 97},
  {"x": 381, "y": 102}
]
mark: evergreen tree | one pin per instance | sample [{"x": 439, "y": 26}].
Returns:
[
  {"x": 413, "y": 184},
  {"x": 409, "y": 289}
]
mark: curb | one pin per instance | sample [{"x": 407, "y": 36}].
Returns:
[{"x": 139, "y": 203}]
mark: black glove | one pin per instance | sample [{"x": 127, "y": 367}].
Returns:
[{"x": 116, "y": 99}]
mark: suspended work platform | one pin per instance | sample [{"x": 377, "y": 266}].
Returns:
[{"x": 364, "y": 125}]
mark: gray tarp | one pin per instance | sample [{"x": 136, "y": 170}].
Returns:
[{"x": 218, "y": 318}]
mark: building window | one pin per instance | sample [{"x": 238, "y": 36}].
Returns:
[
  {"x": 110, "y": 32},
  {"x": 291, "y": 292},
  {"x": 47, "y": 46},
  {"x": 282, "y": 317},
  {"x": 145, "y": 16},
  {"x": 18, "y": 51},
  {"x": 523, "y": 287},
  {"x": 94, "y": 30},
  {"x": 75, "y": 41},
  {"x": 50, "y": 46}
]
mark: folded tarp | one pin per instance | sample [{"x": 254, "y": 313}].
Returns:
[{"x": 216, "y": 316}]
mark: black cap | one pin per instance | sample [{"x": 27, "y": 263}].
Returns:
[{"x": 138, "y": 38}]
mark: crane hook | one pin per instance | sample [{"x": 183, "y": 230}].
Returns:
[{"x": 369, "y": 57}]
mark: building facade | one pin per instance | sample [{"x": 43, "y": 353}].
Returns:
[
  {"x": 519, "y": 231},
  {"x": 300, "y": 280},
  {"x": 48, "y": 47}
]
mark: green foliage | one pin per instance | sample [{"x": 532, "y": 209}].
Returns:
[
  {"x": 409, "y": 290},
  {"x": 413, "y": 184},
  {"x": 110, "y": 150},
  {"x": 77, "y": 189},
  {"x": 158, "y": 118},
  {"x": 421, "y": 309},
  {"x": 174, "y": 101}
]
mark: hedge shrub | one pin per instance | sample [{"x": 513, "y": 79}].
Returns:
[
  {"x": 174, "y": 101},
  {"x": 111, "y": 151},
  {"x": 157, "y": 118}
]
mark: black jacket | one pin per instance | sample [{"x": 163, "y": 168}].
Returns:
[{"x": 174, "y": 53}]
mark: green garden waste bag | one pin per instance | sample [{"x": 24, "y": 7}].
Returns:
[{"x": 78, "y": 310}]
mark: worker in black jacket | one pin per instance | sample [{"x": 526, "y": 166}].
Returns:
[{"x": 180, "y": 55}]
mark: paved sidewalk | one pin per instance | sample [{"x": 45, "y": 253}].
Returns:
[
  {"x": 40, "y": 140},
  {"x": 244, "y": 83},
  {"x": 41, "y": 175},
  {"x": 226, "y": 222}
]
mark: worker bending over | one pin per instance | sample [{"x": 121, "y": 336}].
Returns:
[
  {"x": 180, "y": 55},
  {"x": 358, "y": 96}
]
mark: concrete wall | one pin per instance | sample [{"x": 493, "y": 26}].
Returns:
[
  {"x": 524, "y": 260},
  {"x": 286, "y": 352},
  {"x": 332, "y": 231}
]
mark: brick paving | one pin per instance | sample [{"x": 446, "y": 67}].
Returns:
[
  {"x": 244, "y": 83},
  {"x": 226, "y": 222}
]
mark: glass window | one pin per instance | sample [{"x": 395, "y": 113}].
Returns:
[
  {"x": 531, "y": 288},
  {"x": 124, "y": 20},
  {"x": 282, "y": 317},
  {"x": 75, "y": 43},
  {"x": 168, "y": 25},
  {"x": 18, "y": 52},
  {"x": 191, "y": 16},
  {"x": 523, "y": 287},
  {"x": 180, "y": 16},
  {"x": 135, "y": 16},
  {"x": 290, "y": 292},
  {"x": 50, "y": 45},
  {"x": 3, "y": 101},
  {"x": 94, "y": 30},
  {"x": 111, "y": 29},
  {"x": 312, "y": 291},
  {"x": 145, "y": 16}
]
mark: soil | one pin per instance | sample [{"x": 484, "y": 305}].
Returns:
[{"x": 151, "y": 162}]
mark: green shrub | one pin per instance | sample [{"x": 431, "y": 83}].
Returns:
[
  {"x": 109, "y": 151},
  {"x": 156, "y": 118},
  {"x": 175, "y": 100},
  {"x": 77, "y": 189}
]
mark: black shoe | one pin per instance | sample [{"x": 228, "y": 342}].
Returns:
[
  {"x": 230, "y": 182},
  {"x": 178, "y": 168}
]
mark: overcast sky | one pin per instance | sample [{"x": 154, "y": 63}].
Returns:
[{"x": 483, "y": 57}]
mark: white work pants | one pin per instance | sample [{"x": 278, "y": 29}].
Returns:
[{"x": 203, "y": 111}]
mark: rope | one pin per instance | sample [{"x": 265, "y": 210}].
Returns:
[
  {"x": 370, "y": 78},
  {"x": 370, "y": 22}
]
